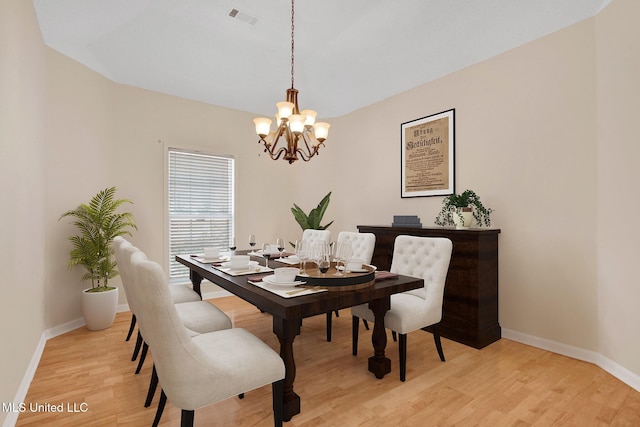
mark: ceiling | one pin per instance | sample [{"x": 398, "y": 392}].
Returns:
[{"x": 348, "y": 53}]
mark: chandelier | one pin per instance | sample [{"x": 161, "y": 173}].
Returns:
[{"x": 297, "y": 132}]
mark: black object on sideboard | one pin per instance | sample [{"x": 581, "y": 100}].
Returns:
[{"x": 470, "y": 308}]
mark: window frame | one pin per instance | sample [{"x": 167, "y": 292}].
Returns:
[{"x": 211, "y": 217}]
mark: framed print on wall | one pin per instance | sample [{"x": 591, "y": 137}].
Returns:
[{"x": 428, "y": 148}]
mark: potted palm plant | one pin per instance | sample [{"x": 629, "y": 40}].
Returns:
[
  {"x": 98, "y": 223},
  {"x": 460, "y": 209}
]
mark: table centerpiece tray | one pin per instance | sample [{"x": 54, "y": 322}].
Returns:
[{"x": 345, "y": 281}]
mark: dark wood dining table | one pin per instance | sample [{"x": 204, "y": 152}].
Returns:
[{"x": 287, "y": 313}]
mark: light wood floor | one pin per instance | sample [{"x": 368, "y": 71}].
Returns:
[{"x": 504, "y": 384}]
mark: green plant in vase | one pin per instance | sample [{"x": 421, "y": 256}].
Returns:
[
  {"x": 458, "y": 209},
  {"x": 98, "y": 222},
  {"x": 312, "y": 220}
]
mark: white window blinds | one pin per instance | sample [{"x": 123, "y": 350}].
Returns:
[{"x": 201, "y": 205}]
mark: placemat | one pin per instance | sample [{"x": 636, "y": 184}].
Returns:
[
  {"x": 285, "y": 292},
  {"x": 249, "y": 270}
]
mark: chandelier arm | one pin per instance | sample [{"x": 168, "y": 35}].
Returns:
[
  {"x": 277, "y": 154},
  {"x": 310, "y": 151},
  {"x": 306, "y": 136}
]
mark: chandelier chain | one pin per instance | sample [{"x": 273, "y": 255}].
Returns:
[{"x": 292, "y": 45}]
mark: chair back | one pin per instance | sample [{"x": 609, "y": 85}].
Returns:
[
  {"x": 123, "y": 250},
  {"x": 427, "y": 258},
  {"x": 314, "y": 236},
  {"x": 178, "y": 362},
  {"x": 362, "y": 244}
]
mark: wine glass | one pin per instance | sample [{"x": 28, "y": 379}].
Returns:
[
  {"x": 343, "y": 254},
  {"x": 252, "y": 240},
  {"x": 347, "y": 253},
  {"x": 323, "y": 257},
  {"x": 266, "y": 253},
  {"x": 303, "y": 253},
  {"x": 280, "y": 245}
]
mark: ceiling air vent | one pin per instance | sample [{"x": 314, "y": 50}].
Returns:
[{"x": 243, "y": 16}]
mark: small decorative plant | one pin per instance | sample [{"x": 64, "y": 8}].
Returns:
[
  {"x": 98, "y": 223},
  {"x": 314, "y": 218},
  {"x": 456, "y": 204}
]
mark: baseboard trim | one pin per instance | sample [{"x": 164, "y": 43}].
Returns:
[{"x": 618, "y": 371}]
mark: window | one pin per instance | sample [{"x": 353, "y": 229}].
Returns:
[{"x": 201, "y": 205}]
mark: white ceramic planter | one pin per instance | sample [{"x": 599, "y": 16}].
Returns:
[
  {"x": 467, "y": 218},
  {"x": 99, "y": 308}
]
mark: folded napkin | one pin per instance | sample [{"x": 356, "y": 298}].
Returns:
[
  {"x": 249, "y": 270},
  {"x": 383, "y": 275},
  {"x": 288, "y": 260},
  {"x": 287, "y": 292},
  {"x": 216, "y": 262}
]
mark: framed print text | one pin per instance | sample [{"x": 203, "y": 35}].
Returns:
[{"x": 428, "y": 148}]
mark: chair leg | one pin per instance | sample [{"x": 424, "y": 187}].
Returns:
[
  {"x": 402, "y": 346},
  {"x": 131, "y": 326},
  {"x": 143, "y": 355},
  {"x": 329, "y": 325},
  {"x": 161, "y": 403},
  {"x": 186, "y": 420},
  {"x": 394, "y": 335},
  {"x": 355, "y": 322},
  {"x": 436, "y": 339},
  {"x": 366, "y": 324},
  {"x": 241, "y": 396},
  {"x": 136, "y": 350},
  {"x": 152, "y": 387},
  {"x": 337, "y": 313},
  {"x": 277, "y": 389}
]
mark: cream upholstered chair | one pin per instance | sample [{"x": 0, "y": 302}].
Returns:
[
  {"x": 179, "y": 293},
  {"x": 424, "y": 257},
  {"x": 362, "y": 245},
  {"x": 312, "y": 236},
  {"x": 197, "y": 316},
  {"x": 200, "y": 370}
]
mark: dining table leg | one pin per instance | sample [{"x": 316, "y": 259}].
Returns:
[
  {"x": 196, "y": 280},
  {"x": 379, "y": 365},
  {"x": 286, "y": 331}
]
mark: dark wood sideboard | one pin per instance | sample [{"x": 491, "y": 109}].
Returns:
[{"x": 470, "y": 310}]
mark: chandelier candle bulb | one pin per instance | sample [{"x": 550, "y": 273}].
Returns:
[
  {"x": 322, "y": 130},
  {"x": 296, "y": 123},
  {"x": 263, "y": 126},
  {"x": 285, "y": 109},
  {"x": 309, "y": 116}
]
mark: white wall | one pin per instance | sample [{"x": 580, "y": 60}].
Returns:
[
  {"x": 22, "y": 208},
  {"x": 526, "y": 143},
  {"x": 618, "y": 183}
]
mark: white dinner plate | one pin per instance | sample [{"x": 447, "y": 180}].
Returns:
[
  {"x": 272, "y": 281},
  {"x": 244, "y": 267}
]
